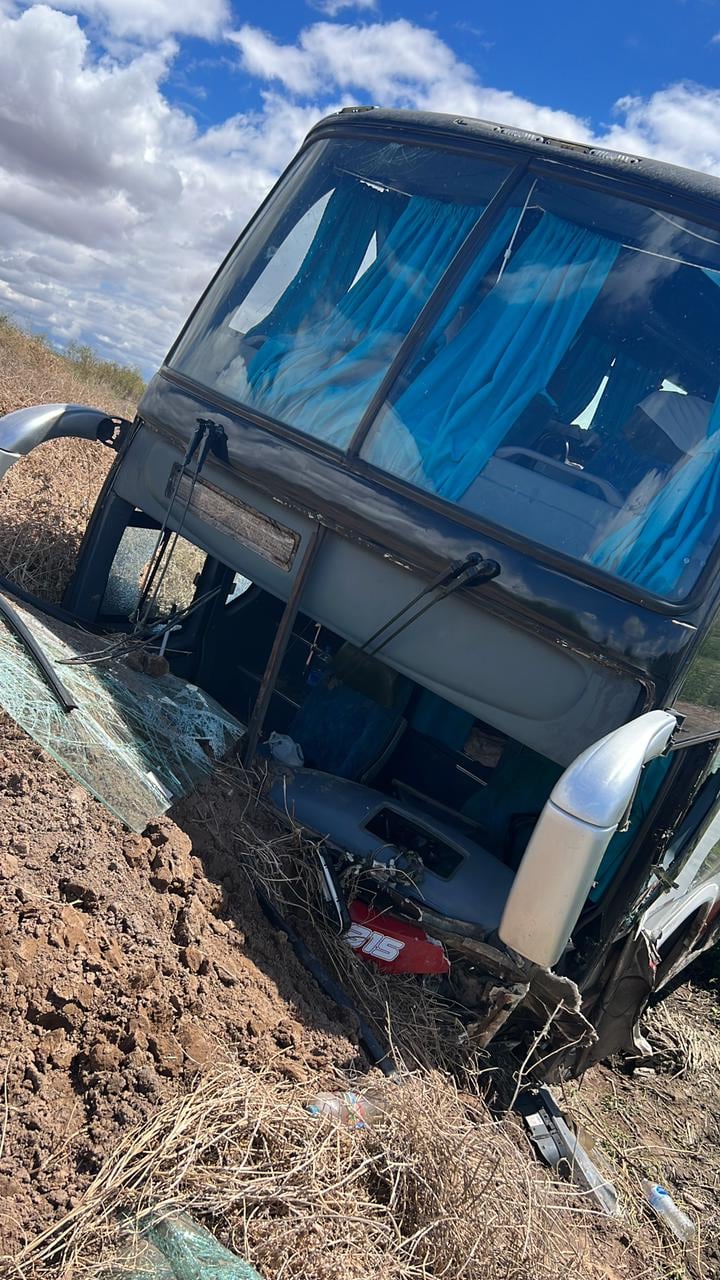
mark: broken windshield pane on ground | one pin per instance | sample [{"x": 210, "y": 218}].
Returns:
[{"x": 135, "y": 741}]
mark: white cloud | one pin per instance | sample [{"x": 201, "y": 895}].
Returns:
[
  {"x": 115, "y": 207},
  {"x": 680, "y": 123},
  {"x": 331, "y": 8},
  {"x": 392, "y": 63},
  {"x": 263, "y": 57},
  {"x": 153, "y": 19}
]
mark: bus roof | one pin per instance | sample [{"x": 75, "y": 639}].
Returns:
[{"x": 583, "y": 155}]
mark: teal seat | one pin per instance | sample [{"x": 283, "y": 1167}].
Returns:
[{"x": 345, "y": 733}]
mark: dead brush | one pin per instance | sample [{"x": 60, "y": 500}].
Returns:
[
  {"x": 679, "y": 1035},
  {"x": 45, "y": 502},
  {"x": 640, "y": 1126},
  {"x": 434, "y": 1188},
  {"x": 31, "y": 372}
]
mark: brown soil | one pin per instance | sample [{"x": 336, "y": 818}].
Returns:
[{"x": 127, "y": 963}]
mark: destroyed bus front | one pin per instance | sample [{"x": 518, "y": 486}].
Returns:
[{"x": 442, "y": 443}]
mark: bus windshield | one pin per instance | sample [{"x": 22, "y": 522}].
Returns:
[
  {"x": 569, "y": 390},
  {"x": 310, "y": 311}
]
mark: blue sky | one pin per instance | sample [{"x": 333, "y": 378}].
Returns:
[
  {"x": 136, "y": 136},
  {"x": 577, "y": 55}
]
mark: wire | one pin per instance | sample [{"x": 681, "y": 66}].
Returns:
[{"x": 166, "y": 541}]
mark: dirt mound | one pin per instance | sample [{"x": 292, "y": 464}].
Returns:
[{"x": 127, "y": 964}]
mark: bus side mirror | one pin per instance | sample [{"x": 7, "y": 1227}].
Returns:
[
  {"x": 579, "y": 819},
  {"x": 23, "y": 429}
]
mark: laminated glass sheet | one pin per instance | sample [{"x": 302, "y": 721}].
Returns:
[{"x": 137, "y": 742}]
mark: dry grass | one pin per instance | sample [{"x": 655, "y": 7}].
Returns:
[
  {"x": 685, "y": 1034},
  {"x": 662, "y": 1123},
  {"x": 45, "y": 499},
  {"x": 434, "y": 1188},
  {"x": 32, "y": 373}
]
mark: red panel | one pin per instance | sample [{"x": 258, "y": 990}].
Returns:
[{"x": 394, "y": 945}]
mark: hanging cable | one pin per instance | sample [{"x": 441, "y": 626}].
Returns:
[{"x": 156, "y": 634}]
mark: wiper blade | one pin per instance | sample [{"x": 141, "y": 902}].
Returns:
[{"x": 39, "y": 657}]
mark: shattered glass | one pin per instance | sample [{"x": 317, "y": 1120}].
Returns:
[
  {"x": 137, "y": 742},
  {"x": 176, "y": 1247}
]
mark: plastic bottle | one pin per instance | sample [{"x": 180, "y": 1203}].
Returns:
[
  {"x": 662, "y": 1203},
  {"x": 355, "y": 1110}
]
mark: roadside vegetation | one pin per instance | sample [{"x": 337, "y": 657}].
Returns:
[
  {"x": 33, "y": 372},
  {"x": 46, "y": 501}
]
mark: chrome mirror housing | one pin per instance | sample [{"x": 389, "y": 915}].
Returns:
[{"x": 23, "y": 429}]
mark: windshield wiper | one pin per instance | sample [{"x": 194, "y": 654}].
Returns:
[
  {"x": 39, "y": 657},
  {"x": 474, "y": 570}
]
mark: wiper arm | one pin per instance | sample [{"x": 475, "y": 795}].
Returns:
[
  {"x": 39, "y": 657},
  {"x": 473, "y": 571}
]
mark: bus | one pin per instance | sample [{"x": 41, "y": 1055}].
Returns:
[{"x": 436, "y": 457}]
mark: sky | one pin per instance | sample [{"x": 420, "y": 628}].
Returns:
[{"x": 137, "y": 136}]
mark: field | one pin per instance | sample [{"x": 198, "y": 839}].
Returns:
[{"x": 159, "y": 1039}]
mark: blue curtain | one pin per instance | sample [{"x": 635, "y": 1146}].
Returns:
[
  {"x": 322, "y": 379},
  {"x": 331, "y": 262},
  {"x": 390, "y": 444},
  {"x": 654, "y": 546},
  {"x": 461, "y": 406}
]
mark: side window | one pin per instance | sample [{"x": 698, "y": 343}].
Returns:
[
  {"x": 700, "y": 697},
  {"x": 693, "y": 853},
  {"x": 129, "y": 566}
]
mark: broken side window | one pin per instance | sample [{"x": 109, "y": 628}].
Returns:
[{"x": 129, "y": 568}]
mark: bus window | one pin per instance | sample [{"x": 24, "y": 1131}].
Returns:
[{"x": 127, "y": 574}]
